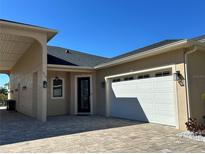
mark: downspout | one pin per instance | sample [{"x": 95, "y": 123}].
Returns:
[{"x": 186, "y": 78}]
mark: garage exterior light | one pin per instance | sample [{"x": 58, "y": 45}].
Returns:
[{"x": 177, "y": 76}]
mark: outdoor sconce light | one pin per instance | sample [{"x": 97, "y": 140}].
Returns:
[
  {"x": 45, "y": 84},
  {"x": 16, "y": 90},
  {"x": 103, "y": 84},
  {"x": 24, "y": 88},
  {"x": 177, "y": 76}
]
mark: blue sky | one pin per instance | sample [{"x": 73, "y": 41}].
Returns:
[
  {"x": 3, "y": 79},
  {"x": 109, "y": 27}
]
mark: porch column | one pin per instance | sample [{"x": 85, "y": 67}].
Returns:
[{"x": 42, "y": 92}]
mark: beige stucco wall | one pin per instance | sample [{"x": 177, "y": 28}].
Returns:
[
  {"x": 196, "y": 78},
  {"x": 59, "y": 106},
  {"x": 22, "y": 75},
  {"x": 172, "y": 58}
]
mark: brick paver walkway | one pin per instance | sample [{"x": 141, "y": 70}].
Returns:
[{"x": 19, "y": 133}]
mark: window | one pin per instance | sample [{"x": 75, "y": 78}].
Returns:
[
  {"x": 165, "y": 73},
  {"x": 159, "y": 74},
  {"x": 143, "y": 76},
  {"x": 57, "y": 88},
  {"x": 116, "y": 80},
  {"x": 128, "y": 78},
  {"x": 140, "y": 77},
  {"x": 146, "y": 76}
]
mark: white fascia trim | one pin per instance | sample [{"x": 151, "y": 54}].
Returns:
[
  {"x": 159, "y": 50},
  {"x": 70, "y": 67},
  {"x": 28, "y": 26}
]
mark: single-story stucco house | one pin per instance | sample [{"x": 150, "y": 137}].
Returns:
[{"x": 160, "y": 83}]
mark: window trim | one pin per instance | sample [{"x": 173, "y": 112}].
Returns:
[{"x": 63, "y": 89}]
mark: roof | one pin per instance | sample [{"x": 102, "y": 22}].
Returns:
[
  {"x": 83, "y": 59},
  {"x": 75, "y": 58},
  {"x": 50, "y": 32},
  {"x": 151, "y": 50},
  {"x": 149, "y": 47},
  {"x": 57, "y": 61},
  {"x": 59, "y": 56},
  {"x": 200, "y": 38}
]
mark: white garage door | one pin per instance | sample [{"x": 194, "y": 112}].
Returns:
[{"x": 149, "y": 100}]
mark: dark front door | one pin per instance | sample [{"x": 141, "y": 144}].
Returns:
[{"x": 83, "y": 95}]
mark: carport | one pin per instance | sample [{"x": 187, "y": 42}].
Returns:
[{"x": 23, "y": 55}]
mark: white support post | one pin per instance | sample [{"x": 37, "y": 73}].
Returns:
[{"x": 42, "y": 92}]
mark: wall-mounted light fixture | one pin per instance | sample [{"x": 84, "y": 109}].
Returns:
[
  {"x": 178, "y": 77},
  {"x": 103, "y": 84},
  {"x": 16, "y": 90},
  {"x": 24, "y": 88},
  {"x": 45, "y": 84}
]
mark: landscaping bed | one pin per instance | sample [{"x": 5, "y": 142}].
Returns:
[
  {"x": 195, "y": 130},
  {"x": 191, "y": 135}
]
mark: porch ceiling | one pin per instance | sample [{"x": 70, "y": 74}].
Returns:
[{"x": 12, "y": 47}]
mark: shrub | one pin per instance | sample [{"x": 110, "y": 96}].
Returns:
[
  {"x": 3, "y": 98},
  {"x": 3, "y": 91}
]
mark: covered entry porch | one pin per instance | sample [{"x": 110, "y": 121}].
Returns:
[
  {"x": 71, "y": 91},
  {"x": 23, "y": 56}
]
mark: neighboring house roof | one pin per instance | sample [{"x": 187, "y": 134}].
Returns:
[{"x": 75, "y": 58}]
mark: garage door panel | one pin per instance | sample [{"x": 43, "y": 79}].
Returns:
[
  {"x": 161, "y": 103},
  {"x": 125, "y": 91},
  {"x": 167, "y": 120},
  {"x": 149, "y": 99},
  {"x": 120, "y": 107}
]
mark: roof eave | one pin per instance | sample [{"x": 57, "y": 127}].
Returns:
[
  {"x": 54, "y": 66},
  {"x": 159, "y": 50},
  {"x": 50, "y": 32}
]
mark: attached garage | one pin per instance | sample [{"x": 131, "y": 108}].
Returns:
[{"x": 148, "y": 97}]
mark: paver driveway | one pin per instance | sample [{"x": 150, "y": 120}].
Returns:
[{"x": 19, "y": 133}]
